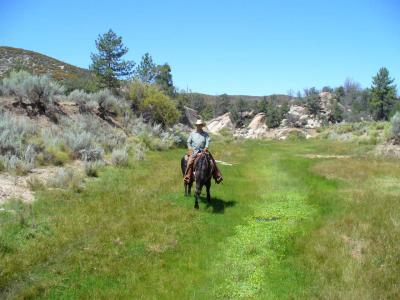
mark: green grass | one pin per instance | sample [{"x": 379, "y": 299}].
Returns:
[{"x": 281, "y": 226}]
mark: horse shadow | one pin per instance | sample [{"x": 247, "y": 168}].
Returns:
[{"x": 218, "y": 205}]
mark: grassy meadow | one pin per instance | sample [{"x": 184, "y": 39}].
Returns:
[{"x": 292, "y": 220}]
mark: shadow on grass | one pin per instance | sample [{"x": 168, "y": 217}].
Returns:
[{"x": 218, "y": 205}]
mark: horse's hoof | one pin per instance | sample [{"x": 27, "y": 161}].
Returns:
[{"x": 196, "y": 206}]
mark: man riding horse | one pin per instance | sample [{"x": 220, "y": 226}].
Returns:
[{"x": 197, "y": 143}]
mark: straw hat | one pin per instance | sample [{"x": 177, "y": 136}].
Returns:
[{"x": 200, "y": 122}]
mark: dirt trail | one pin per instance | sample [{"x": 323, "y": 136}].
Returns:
[{"x": 12, "y": 186}]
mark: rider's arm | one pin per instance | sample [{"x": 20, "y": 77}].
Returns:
[
  {"x": 207, "y": 141},
  {"x": 189, "y": 141}
]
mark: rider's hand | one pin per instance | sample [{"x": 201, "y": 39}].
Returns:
[{"x": 206, "y": 149}]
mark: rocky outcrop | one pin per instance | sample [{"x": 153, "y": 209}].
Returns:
[
  {"x": 298, "y": 117},
  {"x": 256, "y": 129},
  {"x": 219, "y": 123}
]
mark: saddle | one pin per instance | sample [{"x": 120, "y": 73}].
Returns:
[{"x": 200, "y": 154}]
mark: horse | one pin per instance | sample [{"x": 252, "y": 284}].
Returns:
[{"x": 187, "y": 186}]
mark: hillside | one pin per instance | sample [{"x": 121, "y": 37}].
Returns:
[{"x": 37, "y": 63}]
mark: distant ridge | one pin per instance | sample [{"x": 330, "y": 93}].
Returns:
[{"x": 38, "y": 63}]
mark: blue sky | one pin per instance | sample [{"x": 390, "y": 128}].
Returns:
[{"x": 237, "y": 47}]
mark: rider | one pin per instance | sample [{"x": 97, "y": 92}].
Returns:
[{"x": 197, "y": 142}]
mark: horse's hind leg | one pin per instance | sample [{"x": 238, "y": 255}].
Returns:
[{"x": 208, "y": 186}]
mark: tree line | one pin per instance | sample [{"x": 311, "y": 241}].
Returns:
[{"x": 352, "y": 103}]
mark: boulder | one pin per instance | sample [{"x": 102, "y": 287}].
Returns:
[
  {"x": 222, "y": 122},
  {"x": 257, "y": 127},
  {"x": 257, "y": 122}
]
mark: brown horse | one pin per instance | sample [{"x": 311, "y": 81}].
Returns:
[{"x": 203, "y": 170}]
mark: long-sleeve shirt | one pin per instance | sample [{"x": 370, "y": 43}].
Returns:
[{"x": 198, "y": 141}]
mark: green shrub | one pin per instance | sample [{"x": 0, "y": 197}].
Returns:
[
  {"x": 55, "y": 155},
  {"x": 159, "y": 108},
  {"x": 155, "y": 106}
]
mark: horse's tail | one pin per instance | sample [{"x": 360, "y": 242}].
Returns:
[{"x": 183, "y": 165}]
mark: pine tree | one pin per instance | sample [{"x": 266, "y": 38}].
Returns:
[
  {"x": 263, "y": 105},
  {"x": 313, "y": 103},
  {"x": 107, "y": 64},
  {"x": 146, "y": 71},
  {"x": 163, "y": 79},
  {"x": 383, "y": 95}
]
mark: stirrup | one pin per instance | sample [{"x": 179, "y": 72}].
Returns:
[{"x": 219, "y": 179}]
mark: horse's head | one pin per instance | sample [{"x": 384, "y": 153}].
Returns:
[{"x": 203, "y": 168}]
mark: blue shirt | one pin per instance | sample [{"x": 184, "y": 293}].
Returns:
[{"x": 198, "y": 141}]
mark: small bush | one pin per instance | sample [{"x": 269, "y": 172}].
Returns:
[
  {"x": 139, "y": 151},
  {"x": 395, "y": 121},
  {"x": 67, "y": 178},
  {"x": 54, "y": 155},
  {"x": 35, "y": 184},
  {"x": 78, "y": 141},
  {"x": 15, "y": 165},
  {"x": 86, "y": 102},
  {"x": 35, "y": 90},
  {"x": 296, "y": 136},
  {"x": 92, "y": 167},
  {"x": 108, "y": 103},
  {"x": 14, "y": 133},
  {"x": 120, "y": 157},
  {"x": 92, "y": 154}
]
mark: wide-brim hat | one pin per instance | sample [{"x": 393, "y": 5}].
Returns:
[{"x": 199, "y": 122}]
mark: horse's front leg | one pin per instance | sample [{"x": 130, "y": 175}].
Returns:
[
  {"x": 197, "y": 195},
  {"x": 190, "y": 188},
  {"x": 185, "y": 185},
  {"x": 208, "y": 186}
]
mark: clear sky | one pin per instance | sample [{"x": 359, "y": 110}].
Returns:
[{"x": 236, "y": 46}]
